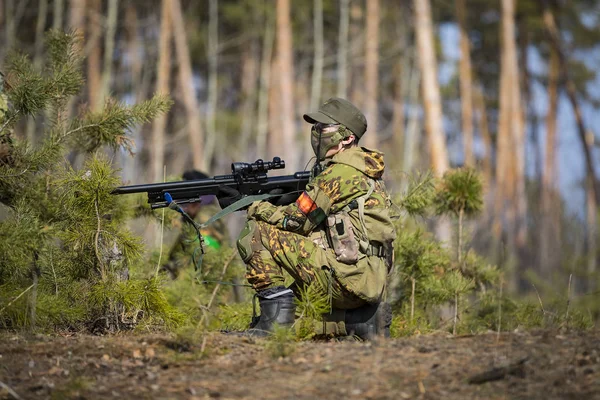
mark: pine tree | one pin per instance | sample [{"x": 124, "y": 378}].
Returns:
[{"x": 66, "y": 253}]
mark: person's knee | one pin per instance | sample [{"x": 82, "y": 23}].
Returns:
[{"x": 249, "y": 243}]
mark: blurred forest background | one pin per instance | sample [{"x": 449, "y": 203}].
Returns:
[{"x": 509, "y": 87}]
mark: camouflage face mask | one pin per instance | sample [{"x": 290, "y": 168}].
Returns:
[{"x": 329, "y": 135}]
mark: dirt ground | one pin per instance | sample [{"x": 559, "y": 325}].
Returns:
[{"x": 533, "y": 365}]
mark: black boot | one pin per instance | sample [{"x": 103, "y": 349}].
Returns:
[
  {"x": 369, "y": 321},
  {"x": 277, "y": 306}
]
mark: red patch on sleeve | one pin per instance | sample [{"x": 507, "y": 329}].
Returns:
[{"x": 306, "y": 204}]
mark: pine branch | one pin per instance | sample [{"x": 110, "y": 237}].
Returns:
[{"x": 16, "y": 298}]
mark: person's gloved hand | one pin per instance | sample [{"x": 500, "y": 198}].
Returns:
[
  {"x": 284, "y": 199},
  {"x": 227, "y": 196}
]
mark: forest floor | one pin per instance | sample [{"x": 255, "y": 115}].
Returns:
[{"x": 531, "y": 365}]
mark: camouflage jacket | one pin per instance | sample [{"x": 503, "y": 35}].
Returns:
[{"x": 350, "y": 175}]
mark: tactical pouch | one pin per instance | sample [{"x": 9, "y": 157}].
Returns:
[
  {"x": 244, "y": 242},
  {"x": 342, "y": 238}
]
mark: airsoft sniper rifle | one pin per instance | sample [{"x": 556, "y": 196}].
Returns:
[{"x": 247, "y": 178}]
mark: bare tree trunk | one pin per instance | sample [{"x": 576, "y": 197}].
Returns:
[
  {"x": 276, "y": 144},
  {"x": 413, "y": 126},
  {"x": 398, "y": 118},
  {"x": 286, "y": 74},
  {"x": 510, "y": 184},
  {"x": 213, "y": 64},
  {"x": 402, "y": 75},
  {"x": 59, "y": 8},
  {"x": 548, "y": 241},
  {"x": 265, "y": 89},
  {"x": 356, "y": 51},
  {"x": 591, "y": 232},
  {"x": 77, "y": 15},
  {"x": 109, "y": 48},
  {"x": 135, "y": 77},
  {"x": 518, "y": 130},
  {"x": 248, "y": 98},
  {"x": 38, "y": 56},
  {"x": 93, "y": 64},
  {"x": 371, "y": 72},
  {"x": 342, "y": 53},
  {"x": 431, "y": 90},
  {"x": 504, "y": 139},
  {"x": 157, "y": 147},
  {"x": 556, "y": 42},
  {"x": 192, "y": 107},
  {"x": 466, "y": 83},
  {"x": 2, "y": 23},
  {"x": 133, "y": 48},
  {"x": 39, "y": 33},
  {"x": 484, "y": 131},
  {"x": 317, "y": 73},
  {"x": 9, "y": 23}
]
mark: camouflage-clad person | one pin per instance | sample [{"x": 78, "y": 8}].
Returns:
[
  {"x": 215, "y": 235},
  {"x": 337, "y": 235}
]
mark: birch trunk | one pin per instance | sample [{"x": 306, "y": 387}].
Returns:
[
  {"x": 342, "y": 53},
  {"x": 286, "y": 81},
  {"x": 466, "y": 84},
  {"x": 430, "y": 87},
  {"x": 157, "y": 147},
  {"x": 186, "y": 82}
]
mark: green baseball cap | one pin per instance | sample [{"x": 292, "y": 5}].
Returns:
[{"x": 339, "y": 111}]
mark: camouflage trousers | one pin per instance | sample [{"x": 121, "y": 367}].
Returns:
[{"x": 272, "y": 253}]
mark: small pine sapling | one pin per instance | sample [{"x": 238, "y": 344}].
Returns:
[
  {"x": 418, "y": 258},
  {"x": 451, "y": 287},
  {"x": 63, "y": 241},
  {"x": 459, "y": 193}
]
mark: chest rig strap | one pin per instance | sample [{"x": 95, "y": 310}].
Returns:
[{"x": 359, "y": 204}]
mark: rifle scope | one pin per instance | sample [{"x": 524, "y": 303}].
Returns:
[{"x": 258, "y": 167}]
